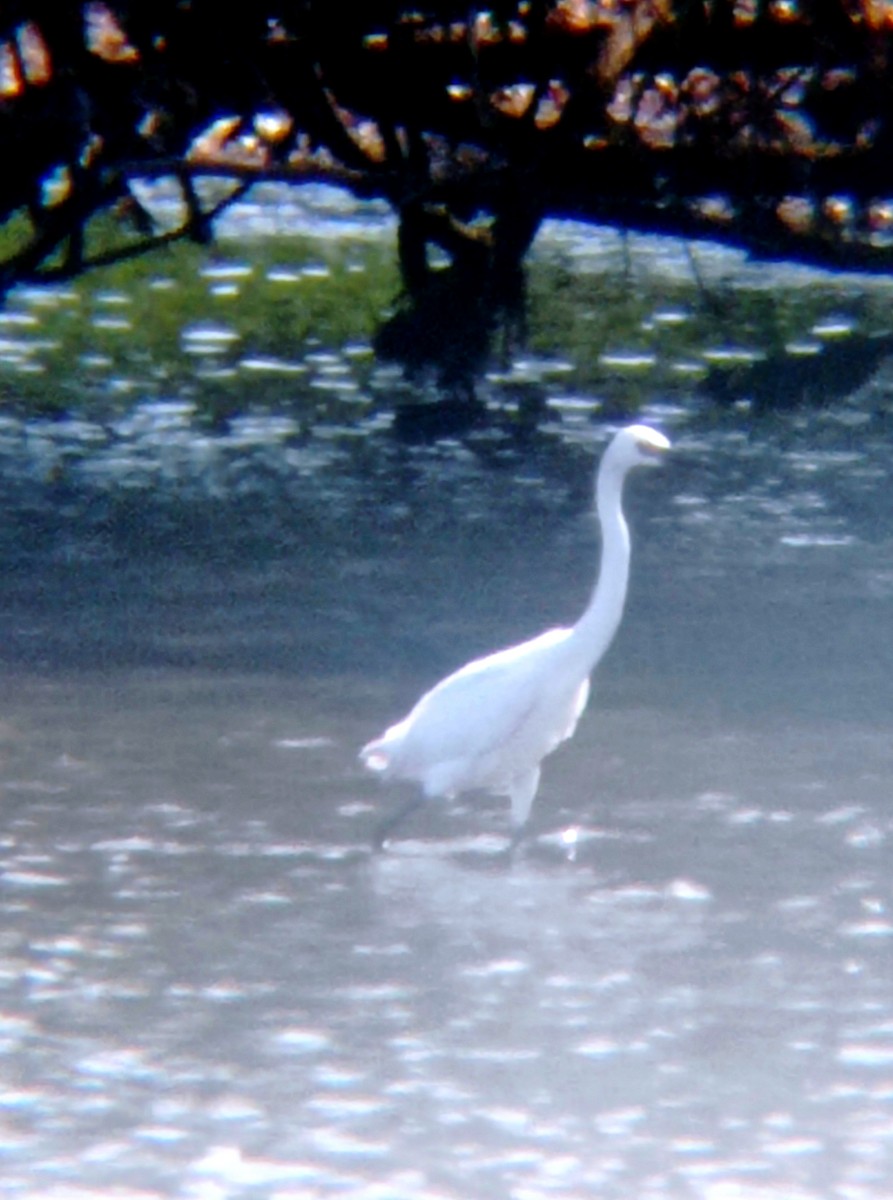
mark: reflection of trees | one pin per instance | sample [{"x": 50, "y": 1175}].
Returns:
[
  {"x": 763, "y": 122},
  {"x": 447, "y": 321},
  {"x": 783, "y": 379}
]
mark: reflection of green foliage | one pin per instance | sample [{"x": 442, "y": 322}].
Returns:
[
  {"x": 156, "y": 300},
  {"x": 587, "y": 317},
  {"x": 14, "y": 234},
  {"x": 122, "y": 333}
]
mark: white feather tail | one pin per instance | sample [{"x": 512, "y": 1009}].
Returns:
[{"x": 375, "y": 756}]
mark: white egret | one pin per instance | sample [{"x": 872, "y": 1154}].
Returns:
[{"x": 490, "y": 724}]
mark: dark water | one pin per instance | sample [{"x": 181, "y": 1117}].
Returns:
[{"x": 210, "y": 988}]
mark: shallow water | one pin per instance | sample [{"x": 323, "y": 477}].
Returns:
[{"x": 209, "y": 987}]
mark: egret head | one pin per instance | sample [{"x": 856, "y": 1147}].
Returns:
[{"x": 636, "y": 445}]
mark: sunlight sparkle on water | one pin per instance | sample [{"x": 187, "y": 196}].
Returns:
[
  {"x": 628, "y": 360},
  {"x": 688, "y": 889},
  {"x": 833, "y": 327},
  {"x": 277, "y": 366}
]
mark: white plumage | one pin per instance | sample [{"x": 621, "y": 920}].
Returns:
[{"x": 490, "y": 724}]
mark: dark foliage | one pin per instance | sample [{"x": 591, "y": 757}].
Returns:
[{"x": 766, "y": 123}]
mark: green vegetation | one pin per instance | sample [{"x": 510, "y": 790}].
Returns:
[
  {"x": 228, "y": 330},
  {"x": 286, "y": 325}
]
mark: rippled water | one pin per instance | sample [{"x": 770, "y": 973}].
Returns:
[{"x": 209, "y": 987}]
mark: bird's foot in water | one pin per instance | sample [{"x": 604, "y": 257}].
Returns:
[{"x": 382, "y": 833}]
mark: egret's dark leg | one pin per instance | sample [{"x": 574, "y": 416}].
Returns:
[
  {"x": 384, "y": 830},
  {"x": 521, "y": 794},
  {"x": 519, "y": 833}
]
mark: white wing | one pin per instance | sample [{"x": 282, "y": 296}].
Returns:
[{"x": 493, "y": 717}]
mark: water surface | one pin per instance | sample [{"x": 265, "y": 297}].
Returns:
[{"x": 209, "y": 987}]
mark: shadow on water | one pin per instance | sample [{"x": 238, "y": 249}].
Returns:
[
  {"x": 809, "y": 374},
  {"x": 445, "y": 331}
]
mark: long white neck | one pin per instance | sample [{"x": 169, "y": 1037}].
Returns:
[{"x": 595, "y": 630}]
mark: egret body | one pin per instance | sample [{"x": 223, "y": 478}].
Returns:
[{"x": 490, "y": 724}]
